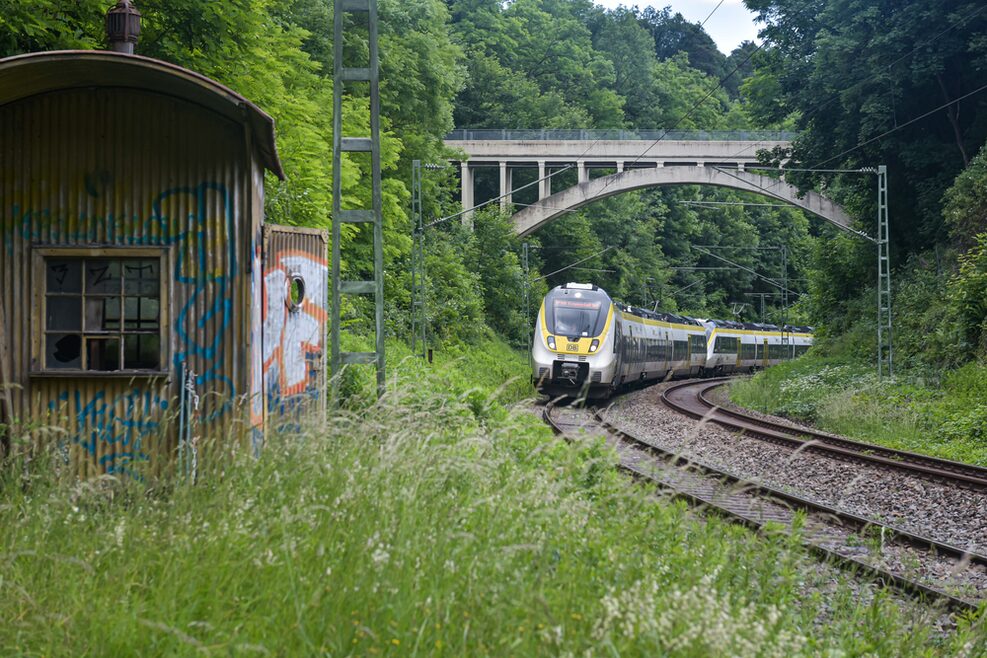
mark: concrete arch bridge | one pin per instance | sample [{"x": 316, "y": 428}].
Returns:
[{"x": 641, "y": 159}]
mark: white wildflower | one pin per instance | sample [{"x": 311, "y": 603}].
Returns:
[
  {"x": 119, "y": 531},
  {"x": 380, "y": 555}
]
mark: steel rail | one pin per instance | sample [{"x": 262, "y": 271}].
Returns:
[
  {"x": 720, "y": 505},
  {"x": 697, "y": 405}
]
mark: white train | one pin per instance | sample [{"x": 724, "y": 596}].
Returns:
[
  {"x": 743, "y": 347},
  {"x": 586, "y": 344}
]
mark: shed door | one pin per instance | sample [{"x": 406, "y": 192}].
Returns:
[{"x": 295, "y": 308}]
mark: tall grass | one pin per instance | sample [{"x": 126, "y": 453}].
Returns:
[
  {"x": 945, "y": 418},
  {"x": 433, "y": 522}
]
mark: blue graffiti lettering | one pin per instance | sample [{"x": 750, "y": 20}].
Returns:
[{"x": 123, "y": 421}]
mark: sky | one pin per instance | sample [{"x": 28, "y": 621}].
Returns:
[{"x": 729, "y": 25}]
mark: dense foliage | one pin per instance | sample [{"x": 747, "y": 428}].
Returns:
[
  {"x": 900, "y": 84},
  {"x": 845, "y": 75},
  {"x": 652, "y": 70}
]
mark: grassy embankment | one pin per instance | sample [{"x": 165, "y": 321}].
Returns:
[
  {"x": 948, "y": 420},
  {"x": 436, "y": 522}
]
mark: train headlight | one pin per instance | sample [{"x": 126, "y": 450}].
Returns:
[
  {"x": 595, "y": 345},
  {"x": 551, "y": 342}
]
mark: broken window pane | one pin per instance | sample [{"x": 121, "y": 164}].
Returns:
[
  {"x": 104, "y": 314},
  {"x": 63, "y": 351}
]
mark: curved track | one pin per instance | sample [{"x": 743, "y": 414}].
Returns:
[
  {"x": 827, "y": 532},
  {"x": 691, "y": 399}
]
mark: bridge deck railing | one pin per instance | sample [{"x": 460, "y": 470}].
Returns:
[{"x": 497, "y": 134}]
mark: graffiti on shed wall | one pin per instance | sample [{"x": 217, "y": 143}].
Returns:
[
  {"x": 286, "y": 359},
  {"x": 121, "y": 423},
  {"x": 186, "y": 219},
  {"x": 202, "y": 321},
  {"x": 294, "y": 339}
]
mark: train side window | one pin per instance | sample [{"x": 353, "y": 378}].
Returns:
[{"x": 101, "y": 311}]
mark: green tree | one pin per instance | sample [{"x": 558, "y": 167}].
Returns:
[
  {"x": 50, "y": 25},
  {"x": 532, "y": 64},
  {"x": 673, "y": 34},
  {"x": 856, "y": 72},
  {"x": 965, "y": 208},
  {"x": 630, "y": 49},
  {"x": 495, "y": 257}
]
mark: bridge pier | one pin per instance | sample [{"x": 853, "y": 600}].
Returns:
[
  {"x": 467, "y": 194},
  {"x": 583, "y": 173},
  {"x": 544, "y": 183},
  {"x": 506, "y": 186}
]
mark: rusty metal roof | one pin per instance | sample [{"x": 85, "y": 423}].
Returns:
[{"x": 28, "y": 75}]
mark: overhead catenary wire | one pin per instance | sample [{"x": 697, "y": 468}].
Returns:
[
  {"x": 706, "y": 20},
  {"x": 767, "y": 280},
  {"x": 741, "y": 246},
  {"x": 675, "y": 292},
  {"x": 528, "y": 205},
  {"x": 572, "y": 265},
  {"x": 440, "y": 220},
  {"x": 899, "y": 127},
  {"x": 713, "y": 204},
  {"x": 709, "y": 92},
  {"x": 771, "y": 194}
]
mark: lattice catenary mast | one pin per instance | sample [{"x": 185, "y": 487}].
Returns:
[{"x": 340, "y": 144}]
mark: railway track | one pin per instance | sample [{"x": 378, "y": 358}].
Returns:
[
  {"x": 692, "y": 399},
  {"x": 945, "y": 573}
]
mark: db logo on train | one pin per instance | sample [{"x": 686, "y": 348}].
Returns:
[{"x": 572, "y": 347}]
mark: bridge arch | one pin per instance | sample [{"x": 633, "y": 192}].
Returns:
[{"x": 552, "y": 207}]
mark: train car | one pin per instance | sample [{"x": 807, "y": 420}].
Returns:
[
  {"x": 588, "y": 345},
  {"x": 575, "y": 339},
  {"x": 745, "y": 347}
]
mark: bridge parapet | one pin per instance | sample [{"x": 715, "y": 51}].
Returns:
[
  {"x": 622, "y": 135},
  {"x": 602, "y": 153}
]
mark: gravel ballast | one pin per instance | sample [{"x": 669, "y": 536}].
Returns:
[
  {"x": 826, "y": 579},
  {"x": 935, "y": 510}
]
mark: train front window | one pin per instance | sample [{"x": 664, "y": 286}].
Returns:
[
  {"x": 575, "y": 321},
  {"x": 576, "y": 313}
]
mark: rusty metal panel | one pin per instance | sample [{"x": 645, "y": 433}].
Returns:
[
  {"x": 294, "y": 333},
  {"x": 113, "y": 168}
]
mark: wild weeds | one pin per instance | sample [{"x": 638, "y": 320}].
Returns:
[
  {"x": 948, "y": 419},
  {"x": 432, "y": 522}
]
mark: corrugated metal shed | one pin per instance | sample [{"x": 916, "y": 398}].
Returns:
[{"x": 131, "y": 210}]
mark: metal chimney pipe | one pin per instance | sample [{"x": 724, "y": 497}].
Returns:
[{"x": 123, "y": 26}]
